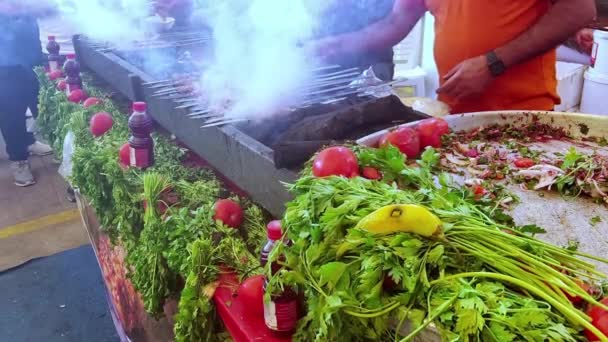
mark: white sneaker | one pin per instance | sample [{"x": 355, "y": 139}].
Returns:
[
  {"x": 39, "y": 149},
  {"x": 22, "y": 173}
]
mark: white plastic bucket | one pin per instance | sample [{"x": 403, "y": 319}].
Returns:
[
  {"x": 569, "y": 85},
  {"x": 599, "y": 55},
  {"x": 595, "y": 94}
]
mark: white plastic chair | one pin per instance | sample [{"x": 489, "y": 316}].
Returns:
[{"x": 407, "y": 59}]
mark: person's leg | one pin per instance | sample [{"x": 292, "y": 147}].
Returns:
[
  {"x": 12, "y": 125},
  {"x": 30, "y": 90}
]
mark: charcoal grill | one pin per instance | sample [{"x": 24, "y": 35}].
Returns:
[{"x": 256, "y": 156}]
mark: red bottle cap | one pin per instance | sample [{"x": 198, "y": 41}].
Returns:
[
  {"x": 139, "y": 107},
  {"x": 51, "y": 38},
  {"x": 70, "y": 56},
  {"x": 275, "y": 232}
]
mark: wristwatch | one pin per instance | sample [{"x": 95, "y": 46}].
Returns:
[{"x": 496, "y": 66}]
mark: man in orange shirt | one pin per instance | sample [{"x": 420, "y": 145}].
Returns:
[{"x": 491, "y": 55}]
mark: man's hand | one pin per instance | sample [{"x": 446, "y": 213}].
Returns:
[
  {"x": 584, "y": 40},
  {"x": 467, "y": 79}
]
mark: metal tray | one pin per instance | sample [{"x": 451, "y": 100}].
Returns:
[{"x": 565, "y": 218}]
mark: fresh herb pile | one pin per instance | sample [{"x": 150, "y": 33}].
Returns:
[
  {"x": 479, "y": 280},
  {"x": 162, "y": 217}
]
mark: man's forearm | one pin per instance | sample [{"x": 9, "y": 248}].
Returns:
[
  {"x": 388, "y": 31},
  {"x": 561, "y": 22}
]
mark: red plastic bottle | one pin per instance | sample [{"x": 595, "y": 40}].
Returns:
[
  {"x": 72, "y": 69},
  {"x": 281, "y": 313},
  {"x": 141, "y": 146},
  {"x": 52, "y": 47},
  {"x": 274, "y": 233}
]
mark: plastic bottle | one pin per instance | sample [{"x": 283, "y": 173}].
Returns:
[
  {"x": 274, "y": 233},
  {"x": 52, "y": 47},
  {"x": 281, "y": 313},
  {"x": 72, "y": 69},
  {"x": 141, "y": 146}
]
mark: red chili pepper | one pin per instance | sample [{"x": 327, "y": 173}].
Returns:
[{"x": 524, "y": 163}]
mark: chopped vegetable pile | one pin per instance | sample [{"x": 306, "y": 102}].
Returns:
[{"x": 498, "y": 151}]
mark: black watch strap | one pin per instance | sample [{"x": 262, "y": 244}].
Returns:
[{"x": 496, "y": 66}]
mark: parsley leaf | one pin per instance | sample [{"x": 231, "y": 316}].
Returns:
[
  {"x": 573, "y": 245},
  {"x": 531, "y": 229},
  {"x": 429, "y": 158},
  {"x": 571, "y": 158},
  {"x": 469, "y": 321},
  {"x": 330, "y": 273}
]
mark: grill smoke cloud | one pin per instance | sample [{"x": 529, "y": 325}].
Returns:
[
  {"x": 116, "y": 21},
  {"x": 258, "y": 66}
]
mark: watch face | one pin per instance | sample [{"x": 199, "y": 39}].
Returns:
[{"x": 497, "y": 68}]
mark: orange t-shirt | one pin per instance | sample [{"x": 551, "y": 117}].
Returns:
[{"x": 469, "y": 28}]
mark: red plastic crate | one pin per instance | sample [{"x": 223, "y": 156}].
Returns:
[{"x": 242, "y": 326}]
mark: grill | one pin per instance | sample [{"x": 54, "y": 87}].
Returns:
[{"x": 335, "y": 106}]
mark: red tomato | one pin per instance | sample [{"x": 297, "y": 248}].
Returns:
[
  {"x": 405, "y": 139},
  {"x": 91, "y": 101},
  {"x": 371, "y": 173},
  {"x": 596, "y": 312},
  {"x": 77, "y": 96},
  {"x": 524, "y": 163},
  {"x": 335, "y": 161},
  {"x": 61, "y": 85},
  {"x": 100, "y": 124},
  {"x": 251, "y": 294},
  {"x": 574, "y": 299},
  {"x": 125, "y": 155},
  {"x": 229, "y": 213},
  {"x": 55, "y": 75},
  {"x": 430, "y": 132},
  {"x": 478, "y": 191},
  {"x": 601, "y": 323}
]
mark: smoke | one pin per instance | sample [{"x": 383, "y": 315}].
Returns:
[
  {"x": 258, "y": 67},
  {"x": 116, "y": 21}
]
